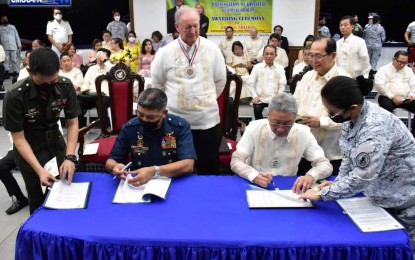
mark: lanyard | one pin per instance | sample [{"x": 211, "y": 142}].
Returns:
[{"x": 191, "y": 59}]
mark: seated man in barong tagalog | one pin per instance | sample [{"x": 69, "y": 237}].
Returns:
[{"x": 275, "y": 146}]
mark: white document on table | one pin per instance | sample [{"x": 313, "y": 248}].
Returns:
[
  {"x": 366, "y": 216},
  {"x": 127, "y": 193},
  {"x": 91, "y": 149},
  {"x": 275, "y": 199},
  {"x": 68, "y": 196}
]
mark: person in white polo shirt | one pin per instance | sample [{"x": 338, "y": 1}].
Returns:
[{"x": 59, "y": 32}]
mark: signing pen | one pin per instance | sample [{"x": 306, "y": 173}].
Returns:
[
  {"x": 125, "y": 168},
  {"x": 272, "y": 182}
]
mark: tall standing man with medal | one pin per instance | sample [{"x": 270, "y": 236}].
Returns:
[{"x": 191, "y": 70}]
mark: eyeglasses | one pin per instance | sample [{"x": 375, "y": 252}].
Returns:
[
  {"x": 274, "y": 125},
  {"x": 57, "y": 13},
  {"x": 403, "y": 63},
  {"x": 316, "y": 57}
]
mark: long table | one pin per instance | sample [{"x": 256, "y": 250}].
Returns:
[{"x": 203, "y": 217}]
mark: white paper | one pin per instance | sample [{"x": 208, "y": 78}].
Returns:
[
  {"x": 52, "y": 167},
  {"x": 91, "y": 149},
  {"x": 67, "y": 196},
  {"x": 127, "y": 193},
  {"x": 366, "y": 216},
  {"x": 275, "y": 199}
]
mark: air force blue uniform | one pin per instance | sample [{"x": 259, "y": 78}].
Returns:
[{"x": 171, "y": 143}]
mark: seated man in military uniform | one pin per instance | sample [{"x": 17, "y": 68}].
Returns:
[
  {"x": 159, "y": 144},
  {"x": 31, "y": 110}
]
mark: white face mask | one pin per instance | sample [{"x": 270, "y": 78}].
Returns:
[
  {"x": 117, "y": 18},
  {"x": 131, "y": 39},
  {"x": 57, "y": 17}
]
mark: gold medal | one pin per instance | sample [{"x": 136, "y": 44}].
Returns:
[{"x": 190, "y": 72}]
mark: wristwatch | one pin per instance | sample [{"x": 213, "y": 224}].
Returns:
[
  {"x": 157, "y": 173},
  {"x": 72, "y": 158},
  {"x": 319, "y": 195}
]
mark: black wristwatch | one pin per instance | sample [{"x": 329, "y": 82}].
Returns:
[{"x": 72, "y": 158}]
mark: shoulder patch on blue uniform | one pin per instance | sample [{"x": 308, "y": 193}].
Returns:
[{"x": 362, "y": 160}]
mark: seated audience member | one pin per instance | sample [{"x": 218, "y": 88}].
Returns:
[
  {"x": 275, "y": 146},
  {"x": 24, "y": 73},
  {"x": 106, "y": 36},
  {"x": 225, "y": 44},
  {"x": 281, "y": 58},
  {"x": 238, "y": 59},
  {"x": 92, "y": 56},
  {"x": 159, "y": 143},
  {"x": 379, "y": 158},
  {"x": 307, "y": 42},
  {"x": 253, "y": 44},
  {"x": 77, "y": 60},
  {"x": 146, "y": 58},
  {"x": 88, "y": 97},
  {"x": 240, "y": 63},
  {"x": 284, "y": 40},
  {"x": 158, "y": 41},
  {"x": 118, "y": 54},
  {"x": 267, "y": 79},
  {"x": 25, "y": 62},
  {"x": 71, "y": 72},
  {"x": 395, "y": 83},
  {"x": 310, "y": 106},
  {"x": 133, "y": 47},
  {"x": 37, "y": 44},
  {"x": 301, "y": 66},
  {"x": 18, "y": 199}
]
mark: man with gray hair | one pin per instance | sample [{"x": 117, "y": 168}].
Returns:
[
  {"x": 191, "y": 70},
  {"x": 275, "y": 146},
  {"x": 158, "y": 143}
]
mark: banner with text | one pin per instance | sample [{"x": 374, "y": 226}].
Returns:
[{"x": 240, "y": 14}]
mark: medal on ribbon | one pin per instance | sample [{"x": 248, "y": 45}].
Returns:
[{"x": 190, "y": 71}]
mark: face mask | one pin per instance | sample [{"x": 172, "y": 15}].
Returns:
[
  {"x": 340, "y": 119},
  {"x": 117, "y": 18},
  {"x": 131, "y": 39},
  {"x": 57, "y": 17},
  {"x": 48, "y": 88},
  {"x": 150, "y": 126}
]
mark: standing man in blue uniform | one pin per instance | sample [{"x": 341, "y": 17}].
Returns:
[
  {"x": 159, "y": 144},
  {"x": 31, "y": 110}
]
